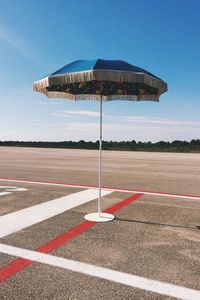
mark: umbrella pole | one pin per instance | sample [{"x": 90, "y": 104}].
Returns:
[
  {"x": 100, "y": 216},
  {"x": 100, "y": 158}
]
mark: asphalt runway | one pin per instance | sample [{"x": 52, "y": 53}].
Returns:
[{"x": 151, "y": 250}]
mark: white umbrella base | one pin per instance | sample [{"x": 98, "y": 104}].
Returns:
[{"x": 102, "y": 217}]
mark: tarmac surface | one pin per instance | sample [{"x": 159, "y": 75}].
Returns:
[{"x": 154, "y": 237}]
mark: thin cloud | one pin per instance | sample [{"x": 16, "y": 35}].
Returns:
[
  {"x": 16, "y": 42},
  {"x": 84, "y": 113},
  {"x": 160, "y": 121},
  {"x": 43, "y": 102},
  {"x": 130, "y": 119}
]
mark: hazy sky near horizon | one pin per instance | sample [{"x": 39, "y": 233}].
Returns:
[{"x": 39, "y": 36}]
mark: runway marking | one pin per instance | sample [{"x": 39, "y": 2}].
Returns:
[
  {"x": 26, "y": 217},
  {"x": 5, "y": 193},
  {"x": 20, "y": 264},
  {"x": 10, "y": 189},
  {"x": 127, "y": 279},
  {"x": 125, "y": 190}
]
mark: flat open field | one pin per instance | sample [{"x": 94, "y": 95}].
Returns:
[{"x": 151, "y": 250}]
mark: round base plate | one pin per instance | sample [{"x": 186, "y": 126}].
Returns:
[{"x": 95, "y": 217}]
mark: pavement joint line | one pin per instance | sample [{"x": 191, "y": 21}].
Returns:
[
  {"x": 19, "y": 264},
  {"x": 127, "y": 279},
  {"x": 168, "y": 205},
  {"x": 18, "y": 220},
  {"x": 125, "y": 190}
]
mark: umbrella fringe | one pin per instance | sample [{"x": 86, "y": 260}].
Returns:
[
  {"x": 98, "y": 97},
  {"x": 100, "y": 75}
]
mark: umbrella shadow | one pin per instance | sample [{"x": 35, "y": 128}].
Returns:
[{"x": 158, "y": 224}]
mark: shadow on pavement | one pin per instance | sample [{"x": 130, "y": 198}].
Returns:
[{"x": 158, "y": 224}]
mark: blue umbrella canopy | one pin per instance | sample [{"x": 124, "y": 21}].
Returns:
[{"x": 101, "y": 79}]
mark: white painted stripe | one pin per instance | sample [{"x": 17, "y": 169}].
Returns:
[
  {"x": 134, "y": 281},
  {"x": 20, "y": 190},
  {"x": 21, "y": 219},
  {"x": 5, "y": 193},
  {"x": 108, "y": 189},
  {"x": 11, "y": 189},
  {"x": 8, "y": 187}
]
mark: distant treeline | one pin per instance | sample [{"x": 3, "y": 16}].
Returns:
[{"x": 175, "y": 146}]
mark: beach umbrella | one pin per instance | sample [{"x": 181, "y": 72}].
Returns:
[{"x": 102, "y": 80}]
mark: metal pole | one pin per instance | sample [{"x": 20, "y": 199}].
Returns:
[
  {"x": 100, "y": 157},
  {"x": 100, "y": 216}
]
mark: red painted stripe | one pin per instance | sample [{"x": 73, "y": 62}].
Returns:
[
  {"x": 14, "y": 267},
  {"x": 19, "y": 264},
  {"x": 123, "y": 203},
  {"x": 65, "y": 237},
  {"x": 104, "y": 187}
]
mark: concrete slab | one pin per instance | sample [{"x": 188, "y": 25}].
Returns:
[
  {"x": 154, "y": 237},
  {"x": 168, "y": 172},
  {"x": 40, "y": 233}
]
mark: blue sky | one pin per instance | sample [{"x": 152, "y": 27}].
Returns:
[{"x": 39, "y": 36}]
